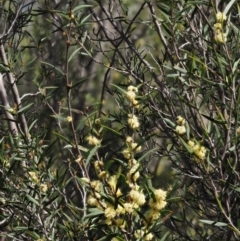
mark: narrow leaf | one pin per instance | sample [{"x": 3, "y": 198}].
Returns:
[
  {"x": 213, "y": 223},
  {"x": 165, "y": 236},
  {"x": 227, "y": 8},
  {"x": 235, "y": 66},
  {"x": 112, "y": 130},
  {"x": 25, "y": 108},
  {"x": 214, "y": 120},
  {"x": 147, "y": 154},
  {"x": 31, "y": 199},
  {"x": 32, "y": 125},
  {"x": 92, "y": 152},
  {"x": 81, "y": 6},
  {"x": 189, "y": 149},
  {"x": 84, "y": 20},
  {"x": 180, "y": 69},
  {"x": 74, "y": 53},
  {"x": 120, "y": 89},
  {"x": 93, "y": 213},
  {"x": 58, "y": 117},
  {"x": 62, "y": 137},
  {"x": 54, "y": 67}
]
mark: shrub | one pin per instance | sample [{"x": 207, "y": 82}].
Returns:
[{"x": 119, "y": 120}]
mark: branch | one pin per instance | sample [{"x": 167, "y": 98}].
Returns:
[
  {"x": 10, "y": 119},
  {"x": 15, "y": 92},
  {"x": 4, "y": 34}
]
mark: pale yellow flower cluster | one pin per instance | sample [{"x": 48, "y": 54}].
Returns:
[
  {"x": 115, "y": 239},
  {"x": 102, "y": 174},
  {"x": 137, "y": 197},
  {"x": 131, "y": 148},
  {"x": 126, "y": 153},
  {"x": 133, "y": 121},
  {"x": 12, "y": 111},
  {"x": 131, "y": 95},
  {"x": 34, "y": 176},
  {"x": 219, "y": 35},
  {"x": 94, "y": 199},
  {"x": 199, "y": 151},
  {"x": 156, "y": 204},
  {"x": 84, "y": 180},
  {"x": 140, "y": 234},
  {"x": 238, "y": 130},
  {"x": 152, "y": 215},
  {"x": 69, "y": 119},
  {"x": 120, "y": 222},
  {"x": 110, "y": 212},
  {"x": 35, "y": 179},
  {"x": 221, "y": 17},
  {"x": 148, "y": 237},
  {"x": 114, "y": 214},
  {"x": 3, "y": 200},
  {"x": 96, "y": 185},
  {"x": 133, "y": 173},
  {"x": 112, "y": 182},
  {"x": 160, "y": 200},
  {"x": 129, "y": 207},
  {"x": 43, "y": 187},
  {"x": 98, "y": 165},
  {"x": 6, "y": 163},
  {"x": 180, "y": 128},
  {"x": 93, "y": 141}
]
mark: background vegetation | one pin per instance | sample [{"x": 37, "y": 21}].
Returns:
[{"x": 119, "y": 120}]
